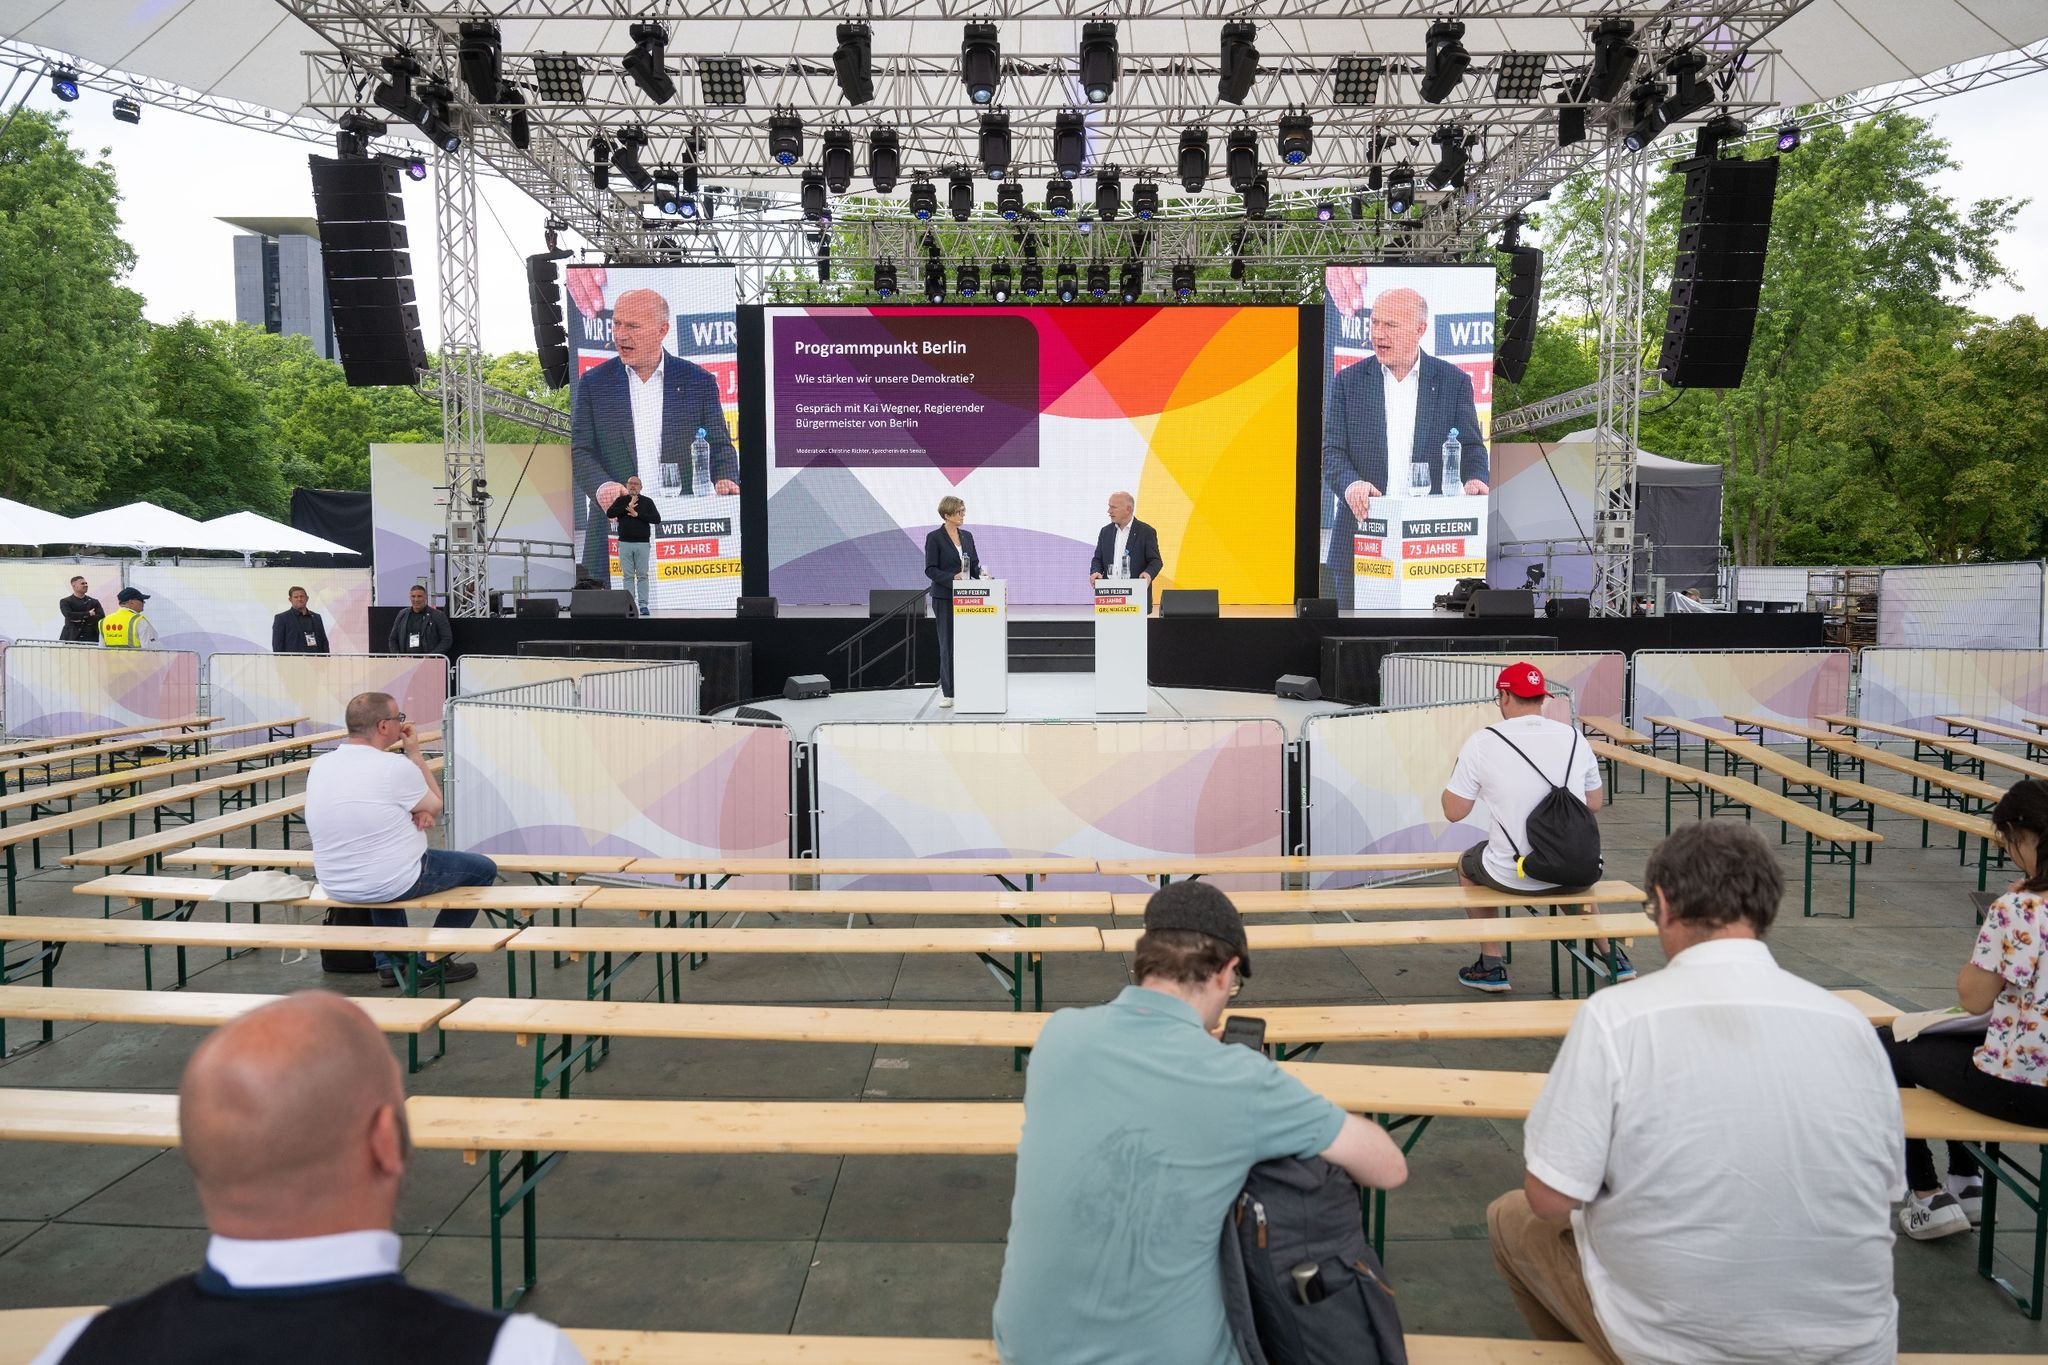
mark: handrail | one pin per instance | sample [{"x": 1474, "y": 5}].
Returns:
[{"x": 908, "y": 611}]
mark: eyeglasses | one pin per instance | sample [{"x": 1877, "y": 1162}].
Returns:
[
  {"x": 1236, "y": 984},
  {"x": 394, "y": 720}
]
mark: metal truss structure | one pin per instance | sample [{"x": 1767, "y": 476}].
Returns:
[
  {"x": 1625, "y": 212},
  {"x": 1572, "y": 403},
  {"x": 462, "y": 381}
]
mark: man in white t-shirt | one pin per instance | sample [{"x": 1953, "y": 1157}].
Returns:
[
  {"x": 1714, "y": 1157},
  {"x": 1511, "y": 785},
  {"x": 368, "y": 811}
]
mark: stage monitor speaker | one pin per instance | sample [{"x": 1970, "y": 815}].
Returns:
[
  {"x": 1569, "y": 608},
  {"x": 806, "y": 687},
  {"x": 1189, "y": 602},
  {"x": 539, "y": 608},
  {"x": 592, "y": 603},
  {"x": 882, "y": 601},
  {"x": 1717, "y": 280},
  {"x": 1501, "y": 602},
  {"x": 1298, "y": 687},
  {"x": 756, "y": 713},
  {"x": 1316, "y": 608},
  {"x": 756, "y": 607}
]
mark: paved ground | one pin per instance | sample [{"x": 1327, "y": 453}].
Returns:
[{"x": 909, "y": 1245}]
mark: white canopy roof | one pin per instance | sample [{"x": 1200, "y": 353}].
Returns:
[
  {"x": 21, "y": 524},
  {"x": 253, "y": 533},
  {"x": 145, "y": 526}
]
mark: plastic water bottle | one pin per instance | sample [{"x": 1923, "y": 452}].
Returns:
[
  {"x": 700, "y": 464},
  {"x": 1454, "y": 459},
  {"x": 671, "y": 473}
]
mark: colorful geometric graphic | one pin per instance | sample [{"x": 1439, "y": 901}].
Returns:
[
  {"x": 55, "y": 689},
  {"x": 529, "y": 486},
  {"x": 227, "y": 608},
  {"x": 1913, "y": 686},
  {"x": 29, "y": 589},
  {"x": 1375, "y": 778},
  {"x": 254, "y": 687},
  {"x": 1709, "y": 686}
]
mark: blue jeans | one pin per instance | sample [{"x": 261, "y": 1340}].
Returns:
[
  {"x": 634, "y": 557},
  {"x": 440, "y": 870}
]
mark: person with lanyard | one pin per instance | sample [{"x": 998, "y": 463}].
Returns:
[
  {"x": 126, "y": 627},
  {"x": 298, "y": 630},
  {"x": 420, "y": 629},
  {"x": 638, "y": 519}
]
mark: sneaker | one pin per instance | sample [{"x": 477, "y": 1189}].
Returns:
[
  {"x": 1924, "y": 1220},
  {"x": 447, "y": 971},
  {"x": 387, "y": 977},
  {"x": 1971, "y": 1199},
  {"x": 945, "y": 703},
  {"x": 1480, "y": 977},
  {"x": 1623, "y": 969}
]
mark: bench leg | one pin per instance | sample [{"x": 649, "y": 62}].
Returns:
[
  {"x": 527, "y": 1172},
  {"x": 2027, "y": 1188}
]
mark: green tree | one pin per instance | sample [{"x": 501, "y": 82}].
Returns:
[
  {"x": 73, "y": 409},
  {"x": 211, "y": 437}
]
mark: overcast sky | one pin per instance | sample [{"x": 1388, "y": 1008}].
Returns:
[{"x": 179, "y": 174}]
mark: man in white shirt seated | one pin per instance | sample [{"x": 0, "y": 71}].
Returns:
[
  {"x": 1713, "y": 1160},
  {"x": 368, "y": 811},
  {"x": 292, "y": 1121}
]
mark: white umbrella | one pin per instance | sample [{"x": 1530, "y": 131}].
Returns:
[
  {"x": 253, "y": 533},
  {"x": 146, "y": 526},
  {"x": 21, "y": 524}
]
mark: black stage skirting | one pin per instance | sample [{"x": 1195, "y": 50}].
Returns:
[{"x": 1234, "y": 652}]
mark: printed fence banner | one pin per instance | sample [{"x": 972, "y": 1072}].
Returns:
[
  {"x": 1596, "y": 683},
  {"x": 227, "y": 608},
  {"x": 1709, "y": 686},
  {"x": 29, "y": 589},
  {"x": 489, "y": 672},
  {"x": 255, "y": 687},
  {"x": 1375, "y": 778},
  {"x": 1963, "y": 606},
  {"x": 1913, "y": 686},
  {"x": 55, "y": 689}
]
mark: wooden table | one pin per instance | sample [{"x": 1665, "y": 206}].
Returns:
[{"x": 1008, "y": 871}]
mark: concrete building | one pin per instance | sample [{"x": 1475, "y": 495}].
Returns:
[{"x": 279, "y": 285}]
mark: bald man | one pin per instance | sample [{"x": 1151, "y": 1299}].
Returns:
[
  {"x": 292, "y": 1121},
  {"x": 1126, "y": 546},
  {"x": 635, "y": 415},
  {"x": 1385, "y": 413}
]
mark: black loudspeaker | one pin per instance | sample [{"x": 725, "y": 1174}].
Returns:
[
  {"x": 1316, "y": 608},
  {"x": 365, "y": 258},
  {"x": 757, "y": 607},
  {"x": 1501, "y": 602},
  {"x": 1525, "y": 283},
  {"x": 544, "y": 298},
  {"x": 805, "y": 687},
  {"x": 882, "y": 601},
  {"x": 590, "y": 603},
  {"x": 1298, "y": 687},
  {"x": 1351, "y": 663},
  {"x": 1569, "y": 608},
  {"x": 539, "y": 608},
  {"x": 1724, "y": 228},
  {"x": 1189, "y": 602}
]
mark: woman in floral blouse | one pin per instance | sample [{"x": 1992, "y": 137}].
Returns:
[{"x": 2002, "y": 1072}]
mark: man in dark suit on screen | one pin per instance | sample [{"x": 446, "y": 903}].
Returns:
[
  {"x": 1399, "y": 402},
  {"x": 1126, "y": 539},
  {"x": 636, "y": 414}
]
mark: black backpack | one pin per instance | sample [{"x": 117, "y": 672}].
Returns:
[
  {"x": 1564, "y": 838},
  {"x": 1302, "y": 1214}
]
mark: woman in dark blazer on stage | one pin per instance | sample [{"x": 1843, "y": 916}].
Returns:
[{"x": 948, "y": 555}]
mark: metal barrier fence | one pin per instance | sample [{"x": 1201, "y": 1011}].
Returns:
[
  {"x": 488, "y": 672},
  {"x": 1437, "y": 679},
  {"x": 54, "y": 688},
  {"x": 255, "y": 687},
  {"x": 664, "y": 689},
  {"x": 1915, "y": 686},
  {"x": 561, "y": 693},
  {"x": 1374, "y": 778},
  {"x": 1710, "y": 685}
]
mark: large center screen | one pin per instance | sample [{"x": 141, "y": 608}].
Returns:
[{"x": 1033, "y": 417}]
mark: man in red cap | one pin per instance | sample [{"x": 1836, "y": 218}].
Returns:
[{"x": 1512, "y": 767}]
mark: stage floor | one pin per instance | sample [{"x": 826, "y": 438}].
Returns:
[
  {"x": 1043, "y": 696},
  {"x": 1056, "y": 613}
]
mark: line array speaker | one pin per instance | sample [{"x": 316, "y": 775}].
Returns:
[
  {"x": 1525, "y": 284},
  {"x": 544, "y": 298},
  {"x": 366, "y": 257},
  {"x": 1724, "y": 229}
]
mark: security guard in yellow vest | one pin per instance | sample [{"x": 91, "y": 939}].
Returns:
[{"x": 128, "y": 628}]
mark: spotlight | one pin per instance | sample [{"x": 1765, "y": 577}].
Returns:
[
  {"x": 1690, "y": 94},
  {"x": 981, "y": 61},
  {"x": 999, "y": 282},
  {"x": 837, "y": 159},
  {"x": 479, "y": 59},
  {"x": 1297, "y": 137},
  {"x": 600, "y": 163},
  {"x": 1357, "y": 208},
  {"x": 1519, "y": 78},
  {"x": 812, "y": 194},
  {"x": 995, "y": 144},
  {"x": 824, "y": 259},
  {"x": 1069, "y": 143},
  {"x": 437, "y": 119},
  {"x": 970, "y": 281},
  {"x": 686, "y": 204},
  {"x": 1133, "y": 282},
  {"x": 1031, "y": 279},
  {"x": 352, "y": 134},
  {"x": 885, "y": 279},
  {"x": 1571, "y": 121},
  {"x": 64, "y": 83},
  {"x": 1325, "y": 211},
  {"x": 785, "y": 137},
  {"x": 1647, "y": 99},
  {"x": 1065, "y": 288},
  {"x": 1237, "y": 269},
  {"x": 1614, "y": 60},
  {"x": 1241, "y": 157},
  {"x": 1194, "y": 159},
  {"x": 722, "y": 79},
  {"x": 1084, "y": 225},
  {"x": 1010, "y": 200},
  {"x": 667, "y": 197},
  {"x": 1257, "y": 197},
  {"x": 1098, "y": 60},
  {"x": 1240, "y": 61},
  {"x": 1789, "y": 137},
  {"x": 645, "y": 63},
  {"x": 1707, "y": 141},
  {"x": 924, "y": 199},
  {"x": 1237, "y": 254},
  {"x": 934, "y": 281},
  {"x": 1357, "y": 80},
  {"x": 853, "y": 62},
  {"x": 1145, "y": 200},
  {"x": 1059, "y": 198},
  {"x": 1109, "y": 193},
  {"x": 1098, "y": 281},
  {"x": 1400, "y": 190},
  {"x": 1184, "y": 280},
  {"x": 560, "y": 78},
  {"x": 1445, "y": 60},
  {"x": 415, "y": 168},
  {"x": 515, "y": 123},
  {"x": 1451, "y": 157},
  {"x": 960, "y": 194},
  {"x": 127, "y": 110},
  {"x": 626, "y": 158},
  {"x": 885, "y": 159}
]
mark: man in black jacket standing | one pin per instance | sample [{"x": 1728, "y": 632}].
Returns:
[
  {"x": 298, "y": 631},
  {"x": 421, "y": 629},
  {"x": 82, "y": 615},
  {"x": 638, "y": 518}
]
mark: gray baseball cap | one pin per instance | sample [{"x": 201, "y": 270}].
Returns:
[{"x": 1200, "y": 907}]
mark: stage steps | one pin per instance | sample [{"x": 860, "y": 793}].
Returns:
[{"x": 1052, "y": 646}]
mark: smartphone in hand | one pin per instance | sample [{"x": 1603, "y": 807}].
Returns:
[{"x": 1247, "y": 1029}]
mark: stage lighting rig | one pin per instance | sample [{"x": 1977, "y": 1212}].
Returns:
[
  {"x": 1571, "y": 121},
  {"x": 1325, "y": 211},
  {"x": 1109, "y": 193},
  {"x": 514, "y": 120},
  {"x": 1690, "y": 93},
  {"x": 1519, "y": 78},
  {"x": 1789, "y": 137},
  {"x": 960, "y": 194},
  {"x": 1059, "y": 198},
  {"x": 812, "y": 195},
  {"x": 1184, "y": 280},
  {"x": 127, "y": 110},
  {"x": 785, "y": 137},
  {"x": 970, "y": 281},
  {"x": 1297, "y": 137},
  {"x": 1444, "y": 61},
  {"x": 668, "y": 198},
  {"x": 1647, "y": 102},
  {"x": 1066, "y": 285},
  {"x": 1194, "y": 159},
  {"x": 1069, "y": 143},
  {"x": 600, "y": 163},
  {"x": 626, "y": 158},
  {"x": 1098, "y": 60},
  {"x": 1400, "y": 190},
  {"x": 885, "y": 278},
  {"x": 646, "y": 63},
  {"x": 479, "y": 59},
  {"x": 1098, "y": 281},
  {"x": 853, "y": 62},
  {"x": 1239, "y": 63},
  {"x": 1713, "y": 133},
  {"x": 981, "y": 61},
  {"x": 559, "y": 77},
  {"x": 924, "y": 199},
  {"x": 1145, "y": 200},
  {"x": 1614, "y": 61},
  {"x": 1356, "y": 80},
  {"x": 999, "y": 285},
  {"x": 1133, "y": 282},
  {"x": 64, "y": 83},
  {"x": 415, "y": 168},
  {"x": 1451, "y": 158},
  {"x": 1031, "y": 279},
  {"x": 393, "y": 94},
  {"x": 1010, "y": 200},
  {"x": 437, "y": 118},
  {"x": 836, "y": 160},
  {"x": 994, "y": 144},
  {"x": 352, "y": 134},
  {"x": 935, "y": 281},
  {"x": 885, "y": 159},
  {"x": 1241, "y": 157},
  {"x": 722, "y": 79},
  {"x": 1257, "y": 197}
]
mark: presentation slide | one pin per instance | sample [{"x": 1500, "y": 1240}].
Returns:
[
  {"x": 654, "y": 351},
  {"x": 1033, "y": 417},
  {"x": 1407, "y": 393}
]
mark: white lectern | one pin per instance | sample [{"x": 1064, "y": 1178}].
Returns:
[
  {"x": 1410, "y": 549},
  {"x": 1120, "y": 661},
  {"x": 981, "y": 646}
]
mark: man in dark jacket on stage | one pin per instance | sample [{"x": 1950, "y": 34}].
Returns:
[{"x": 298, "y": 630}]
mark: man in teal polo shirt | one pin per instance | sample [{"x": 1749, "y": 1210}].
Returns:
[{"x": 1139, "y": 1129}]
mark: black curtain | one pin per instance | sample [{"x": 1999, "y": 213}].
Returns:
[{"x": 343, "y": 518}]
